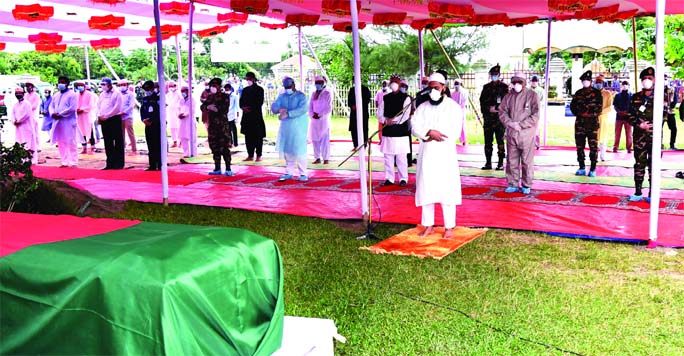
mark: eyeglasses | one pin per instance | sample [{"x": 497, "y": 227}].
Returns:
[{"x": 102, "y": 84}]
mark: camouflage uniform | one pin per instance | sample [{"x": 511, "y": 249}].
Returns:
[
  {"x": 492, "y": 94},
  {"x": 587, "y": 105},
  {"x": 641, "y": 110},
  {"x": 218, "y": 132}
]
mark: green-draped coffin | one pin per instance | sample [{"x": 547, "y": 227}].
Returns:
[{"x": 150, "y": 289}]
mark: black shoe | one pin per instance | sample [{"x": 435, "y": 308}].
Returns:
[
  {"x": 487, "y": 166},
  {"x": 499, "y": 167},
  {"x": 402, "y": 183},
  {"x": 106, "y": 168},
  {"x": 386, "y": 183}
]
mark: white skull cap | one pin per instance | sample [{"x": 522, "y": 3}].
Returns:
[{"x": 437, "y": 77}]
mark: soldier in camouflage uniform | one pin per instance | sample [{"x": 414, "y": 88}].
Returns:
[
  {"x": 586, "y": 105},
  {"x": 490, "y": 98},
  {"x": 216, "y": 106},
  {"x": 641, "y": 118}
]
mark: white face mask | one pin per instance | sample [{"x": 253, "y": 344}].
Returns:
[
  {"x": 647, "y": 84},
  {"x": 586, "y": 83},
  {"x": 457, "y": 87},
  {"x": 435, "y": 94},
  {"x": 394, "y": 86},
  {"x": 495, "y": 78},
  {"x": 625, "y": 87},
  {"x": 534, "y": 84},
  {"x": 518, "y": 87},
  {"x": 173, "y": 90},
  {"x": 124, "y": 90},
  {"x": 213, "y": 90},
  {"x": 289, "y": 91}
]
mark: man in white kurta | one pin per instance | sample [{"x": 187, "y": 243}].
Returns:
[
  {"x": 172, "y": 104},
  {"x": 186, "y": 111},
  {"x": 320, "y": 109},
  {"x": 84, "y": 116},
  {"x": 460, "y": 96},
  {"x": 437, "y": 176},
  {"x": 64, "y": 128},
  {"x": 393, "y": 114},
  {"x": 32, "y": 97},
  {"x": 22, "y": 118}
]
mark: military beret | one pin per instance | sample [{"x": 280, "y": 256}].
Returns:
[
  {"x": 215, "y": 81},
  {"x": 148, "y": 85},
  {"x": 586, "y": 76},
  {"x": 648, "y": 72},
  {"x": 495, "y": 69}
]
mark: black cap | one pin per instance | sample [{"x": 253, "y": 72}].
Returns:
[
  {"x": 534, "y": 78},
  {"x": 495, "y": 69},
  {"x": 251, "y": 75},
  {"x": 216, "y": 81},
  {"x": 148, "y": 85},
  {"x": 586, "y": 76},
  {"x": 648, "y": 72}
]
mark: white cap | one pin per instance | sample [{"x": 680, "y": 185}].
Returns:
[
  {"x": 519, "y": 75},
  {"x": 437, "y": 77}
]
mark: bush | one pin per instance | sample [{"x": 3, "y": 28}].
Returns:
[{"x": 16, "y": 174}]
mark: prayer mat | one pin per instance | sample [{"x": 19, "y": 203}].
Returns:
[
  {"x": 408, "y": 243},
  {"x": 129, "y": 175}
]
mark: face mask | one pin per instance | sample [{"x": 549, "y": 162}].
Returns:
[
  {"x": 250, "y": 82},
  {"x": 61, "y": 87},
  {"x": 586, "y": 83},
  {"x": 213, "y": 90},
  {"x": 598, "y": 86},
  {"x": 394, "y": 87},
  {"x": 319, "y": 87},
  {"x": 80, "y": 89},
  {"x": 156, "y": 90},
  {"x": 403, "y": 90},
  {"x": 457, "y": 87},
  {"x": 289, "y": 91},
  {"x": 435, "y": 94},
  {"x": 495, "y": 78},
  {"x": 47, "y": 95},
  {"x": 185, "y": 95},
  {"x": 173, "y": 90},
  {"x": 423, "y": 85},
  {"x": 29, "y": 89},
  {"x": 124, "y": 90},
  {"x": 19, "y": 96},
  {"x": 625, "y": 88},
  {"x": 518, "y": 87},
  {"x": 206, "y": 88},
  {"x": 148, "y": 93},
  {"x": 647, "y": 84},
  {"x": 534, "y": 84}
]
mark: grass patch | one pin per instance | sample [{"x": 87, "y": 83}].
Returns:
[{"x": 588, "y": 297}]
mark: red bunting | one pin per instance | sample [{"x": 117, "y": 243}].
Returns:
[
  {"x": 302, "y": 19},
  {"x": 429, "y": 24},
  {"x": 109, "y": 22},
  {"x": 105, "y": 43},
  {"x": 598, "y": 13},
  {"x": 347, "y": 26},
  {"x": 175, "y": 8},
  {"x": 521, "y": 21},
  {"x": 339, "y": 8},
  {"x": 492, "y": 19},
  {"x": 34, "y": 12},
  {"x": 273, "y": 26},
  {"x": 388, "y": 19},
  {"x": 621, "y": 16},
  {"x": 212, "y": 31},
  {"x": 2, "y": 46},
  {"x": 166, "y": 30},
  {"x": 51, "y": 47},
  {"x": 450, "y": 11},
  {"x": 232, "y": 18},
  {"x": 45, "y": 38},
  {"x": 256, "y": 7},
  {"x": 109, "y": 2},
  {"x": 570, "y": 6}
]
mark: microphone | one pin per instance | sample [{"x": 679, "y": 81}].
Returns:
[{"x": 424, "y": 91}]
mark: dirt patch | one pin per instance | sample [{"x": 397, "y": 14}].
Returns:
[
  {"x": 350, "y": 225},
  {"x": 88, "y": 204}
]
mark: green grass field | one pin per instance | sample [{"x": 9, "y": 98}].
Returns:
[{"x": 506, "y": 293}]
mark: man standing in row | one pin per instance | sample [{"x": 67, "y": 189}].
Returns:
[
  {"x": 393, "y": 114},
  {"x": 187, "y": 123},
  {"x": 460, "y": 96},
  {"x": 607, "y": 100},
  {"x": 641, "y": 118},
  {"x": 351, "y": 102},
  {"x": 34, "y": 99},
  {"x": 151, "y": 116},
  {"x": 216, "y": 107},
  {"x": 22, "y": 118},
  {"x": 490, "y": 99},
  {"x": 541, "y": 94},
  {"x": 252, "y": 125},
  {"x": 109, "y": 116},
  {"x": 291, "y": 107},
  {"x": 232, "y": 113},
  {"x": 63, "y": 111},
  {"x": 320, "y": 109},
  {"x": 128, "y": 105},
  {"x": 45, "y": 111},
  {"x": 84, "y": 116},
  {"x": 587, "y": 105},
  {"x": 621, "y": 103},
  {"x": 519, "y": 113}
]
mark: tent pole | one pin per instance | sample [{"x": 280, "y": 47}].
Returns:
[
  {"x": 179, "y": 65},
  {"x": 87, "y": 63},
  {"x": 162, "y": 105},
  {"x": 365, "y": 212},
  {"x": 546, "y": 78},
  {"x": 332, "y": 86},
  {"x": 421, "y": 56},
  {"x": 193, "y": 133},
  {"x": 658, "y": 97},
  {"x": 634, "y": 54},
  {"x": 301, "y": 60},
  {"x": 106, "y": 62}
]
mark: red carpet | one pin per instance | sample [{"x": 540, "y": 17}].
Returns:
[
  {"x": 129, "y": 175},
  {"x": 22, "y": 230}
]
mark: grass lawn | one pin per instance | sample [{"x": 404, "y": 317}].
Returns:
[{"x": 500, "y": 295}]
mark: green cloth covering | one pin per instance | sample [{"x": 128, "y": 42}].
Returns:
[{"x": 150, "y": 289}]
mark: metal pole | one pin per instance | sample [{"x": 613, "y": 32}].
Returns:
[
  {"x": 339, "y": 98},
  {"x": 546, "y": 79},
  {"x": 421, "y": 56},
  {"x": 193, "y": 135},
  {"x": 162, "y": 106},
  {"x": 87, "y": 62},
  {"x": 179, "y": 65},
  {"x": 359, "y": 113},
  {"x": 301, "y": 60},
  {"x": 106, "y": 62},
  {"x": 634, "y": 53},
  {"x": 658, "y": 99}
]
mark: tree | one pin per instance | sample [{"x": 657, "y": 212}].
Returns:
[{"x": 674, "y": 41}]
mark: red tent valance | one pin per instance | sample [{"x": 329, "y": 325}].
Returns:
[
  {"x": 450, "y": 11},
  {"x": 232, "y": 18},
  {"x": 110, "y": 2},
  {"x": 175, "y": 8},
  {"x": 273, "y": 26},
  {"x": 521, "y": 21},
  {"x": 339, "y": 8},
  {"x": 620, "y": 16},
  {"x": 166, "y": 30},
  {"x": 302, "y": 19},
  {"x": 105, "y": 43},
  {"x": 256, "y": 7},
  {"x": 212, "y": 31},
  {"x": 491, "y": 19},
  {"x": 598, "y": 13},
  {"x": 109, "y": 22},
  {"x": 347, "y": 26},
  {"x": 570, "y": 6},
  {"x": 34, "y": 12},
  {"x": 45, "y": 38},
  {"x": 2, "y": 46},
  {"x": 388, "y": 19},
  {"x": 430, "y": 24},
  {"x": 51, "y": 47}
]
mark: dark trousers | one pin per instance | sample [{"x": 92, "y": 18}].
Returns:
[
  {"x": 225, "y": 153},
  {"x": 233, "y": 132},
  {"x": 586, "y": 132},
  {"x": 355, "y": 135},
  {"x": 113, "y": 142},
  {"x": 642, "y": 159},
  {"x": 494, "y": 129},
  {"x": 153, "y": 138},
  {"x": 254, "y": 143},
  {"x": 672, "y": 125}
]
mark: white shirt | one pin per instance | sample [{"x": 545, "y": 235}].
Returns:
[
  {"x": 395, "y": 145},
  {"x": 109, "y": 104}
]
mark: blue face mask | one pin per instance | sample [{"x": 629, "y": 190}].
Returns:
[
  {"x": 598, "y": 86},
  {"x": 61, "y": 87},
  {"x": 495, "y": 78},
  {"x": 148, "y": 93},
  {"x": 185, "y": 95},
  {"x": 80, "y": 89},
  {"x": 289, "y": 91},
  {"x": 319, "y": 87}
]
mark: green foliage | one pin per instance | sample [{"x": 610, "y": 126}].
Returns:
[
  {"x": 613, "y": 60},
  {"x": 674, "y": 41},
  {"x": 16, "y": 176}
]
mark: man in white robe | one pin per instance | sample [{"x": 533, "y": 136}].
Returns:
[
  {"x": 65, "y": 127},
  {"x": 393, "y": 114},
  {"x": 187, "y": 108},
  {"x": 84, "y": 116},
  {"x": 460, "y": 96},
  {"x": 320, "y": 109},
  {"x": 22, "y": 118},
  {"x": 172, "y": 105},
  {"x": 32, "y": 97},
  {"x": 437, "y": 176}
]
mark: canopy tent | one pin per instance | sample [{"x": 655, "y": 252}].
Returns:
[{"x": 419, "y": 14}]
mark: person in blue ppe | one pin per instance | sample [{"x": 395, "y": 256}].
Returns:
[{"x": 292, "y": 109}]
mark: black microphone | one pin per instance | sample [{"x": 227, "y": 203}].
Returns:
[{"x": 424, "y": 91}]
